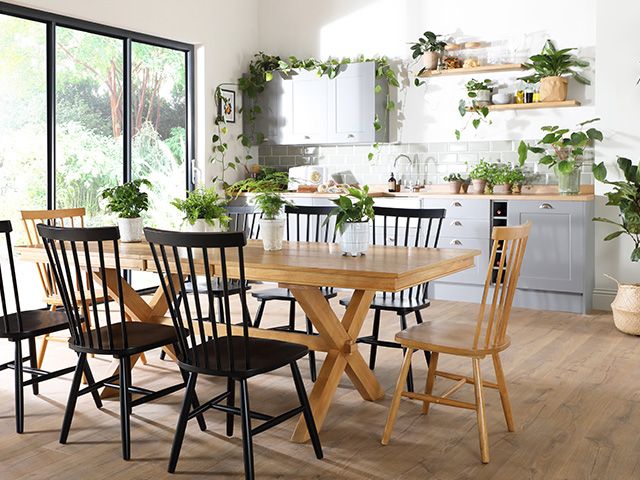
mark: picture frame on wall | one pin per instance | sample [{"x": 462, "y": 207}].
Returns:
[{"x": 227, "y": 105}]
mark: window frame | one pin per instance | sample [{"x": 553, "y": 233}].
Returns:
[{"x": 52, "y": 20}]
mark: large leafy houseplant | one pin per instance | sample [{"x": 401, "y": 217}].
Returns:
[
  {"x": 128, "y": 201},
  {"x": 353, "y": 212},
  {"x": 563, "y": 150},
  {"x": 626, "y": 196},
  {"x": 203, "y": 204}
]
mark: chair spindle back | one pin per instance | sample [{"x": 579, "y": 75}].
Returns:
[
  {"x": 6, "y": 229},
  {"x": 245, "y": 219},
  {"x": 312, "y": 224}
]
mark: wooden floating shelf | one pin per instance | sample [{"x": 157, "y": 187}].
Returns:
[
  {"x": 507, "y": 67},
  {"x": 531, "y": 106}
]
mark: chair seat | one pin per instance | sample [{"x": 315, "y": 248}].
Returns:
[
  {"x": 447, "y": 336},
  {"x": 34, "y": 324},
  {"x": 233, "y": 286},
  {"x": 285, "y": 294},
  {"x": 141, "y": 337},
  {"x": 264, "y": 356},
  {"x": 404, "y": 304}
]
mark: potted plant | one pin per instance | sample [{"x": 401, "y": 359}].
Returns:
[
  {"x": 272, "y": 222},
  {"x": 551, "y": 66},
  {"x": 204, "y": 210},
  {"x": 479, "y": 92},
  {"x": 476, "y": 104},
  {"x": 625, "y": 195},
  {"x": 128, "y": 202},
  {"x": 466, "y": 181},
  {"x": 455, "y": 181},
  {"x": 505, "y": 177},
  {"x": 429, "y": 48},
  {"x": 479, "y": 175},
  {"x": 563, "y": 150},
  {"x": 353, "y": 212}
]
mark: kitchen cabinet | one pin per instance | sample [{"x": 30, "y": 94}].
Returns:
[{"x": 304, "y": 109}]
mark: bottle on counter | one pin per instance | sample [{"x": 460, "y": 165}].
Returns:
[{"x": 392, "y": 183}]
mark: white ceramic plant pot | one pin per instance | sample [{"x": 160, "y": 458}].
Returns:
[
  {"x": 355, "y": 238},
  {"x": 430, "y": 60},
  {"x": 272, "y": 232},
  {"x": 130, "y": 229},
  {"x": 203, "y": 226},
  {"x": 483, "y": 97}
]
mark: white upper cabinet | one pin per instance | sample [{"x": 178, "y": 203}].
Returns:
[{"x": 304, "y": 109}]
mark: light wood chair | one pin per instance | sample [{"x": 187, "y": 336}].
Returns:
[{"x": 486, "y": 337}]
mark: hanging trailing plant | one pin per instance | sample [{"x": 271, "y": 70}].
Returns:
[
  {"x": 475, "y": 104},
  {"x": 263, "y": 67}
]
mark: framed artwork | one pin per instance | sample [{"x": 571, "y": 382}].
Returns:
[{"x": 227, "y": 105}]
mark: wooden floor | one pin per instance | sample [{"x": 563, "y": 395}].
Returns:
[{"x": 575, "y": 390}]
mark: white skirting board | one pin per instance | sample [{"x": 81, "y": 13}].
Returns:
[{"x": 602, "y": 298}]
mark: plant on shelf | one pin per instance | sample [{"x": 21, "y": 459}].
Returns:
[
  {"x": 353, "y": 212},
  {"x": 551, "y": 66},
  {"x": 480, "y": 174},
  {"x": 266, "y": 180},
  {"x": 625, "y": 194},
  {"x": 429, "y": 48},
  {"x": 563, "y": 150},
  {"x": 271, "y": 204},
  {"x": 128, "y": 201},
  {"x": 263, "y": 67},
  {"x": 503, "y": 177},
  {"x": 455, "y": 181},
  {"x": 204, "y": 210},
  {"x": 476, "y": 103}
]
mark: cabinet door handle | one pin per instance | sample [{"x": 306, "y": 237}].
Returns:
[
  {"x": 307, "y": 137},
  {"x": 351, "y": 135},
  {"x": 456, "y": 223},
  {"x": 545, "y": 206},
  {"x": 456, "y": 204},
  {"x": 455, "y": 242}
]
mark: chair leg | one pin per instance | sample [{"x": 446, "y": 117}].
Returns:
[
  {"x": 397, "y": 394},
  {"x": 427, "y": 353},
  {"x": 247, "y": 440},
  {"x": 482, "y": 424},
  {"x": 504, "y": 393},
  {"x": 292, "y": 315},
  {"x": 125, "y": 406},
  {"x": 312, "y": 354},
  {"x": 163, "y": 355},
  {"x": 19, "y": 387},
  {"x": 403, "y": 326},
  {"x": 308, "y": 414},
  {"x": 34, "y": 364},
  {"x": 88, "y": 375},
  {"x": 195, "y": 403},
  {"x": 231, "y": 400},
  {"x": 182, "y": 421},
  {"x": 431, "y": 380},
  {"x": 43, "y": 349},
  {"x": 374, "y": 333},
  {"x": 73, "y": 398},
  {"x": 259, "y": 313}
]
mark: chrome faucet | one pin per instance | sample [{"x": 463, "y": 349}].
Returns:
[
  {"x": 404, "y": 181},
  {"x": 395, "y": 162}
]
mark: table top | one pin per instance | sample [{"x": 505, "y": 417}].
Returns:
[{"x": 383, "y": 268}]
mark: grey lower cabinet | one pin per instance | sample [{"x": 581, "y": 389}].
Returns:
[
  {"x": 558, "y": 267},
  {"x": 305, "y": 109}
]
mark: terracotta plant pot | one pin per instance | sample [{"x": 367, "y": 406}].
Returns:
[
  {"x": 502, "y": 189},
  {"x": 430, "y": 60},
  {"x": 478, "y": 186},
  {"x": 454, "y": 187},
  {"x": 465, "y": 187},
  {"x": 553, "y": 89}
]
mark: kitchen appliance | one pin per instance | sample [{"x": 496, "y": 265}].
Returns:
[{"x": 307, "y": 175}]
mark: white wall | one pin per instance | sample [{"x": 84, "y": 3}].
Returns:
[{"x": 224, "y": 32}]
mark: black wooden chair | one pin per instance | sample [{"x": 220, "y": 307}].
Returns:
[
  {"x": 207, "y": 344},
  {"x": 27, "y": 325},
  {"x": 407, "y": 227},
  {"x": 68, "y": 250},
  {"x": 315, "y": 228}
]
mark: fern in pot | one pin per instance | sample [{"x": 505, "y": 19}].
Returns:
[
  {"x": 204, "y": 210},
  {"x": 272, "y": 223},
  {"x": 353, "y": 212},
  {"x": 128, "y": 201}
]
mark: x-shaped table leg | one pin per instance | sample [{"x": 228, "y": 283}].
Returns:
[{"x": 344, "y": 357}]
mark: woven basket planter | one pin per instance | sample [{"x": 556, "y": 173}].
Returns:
[{"x": 626, "y": 307}]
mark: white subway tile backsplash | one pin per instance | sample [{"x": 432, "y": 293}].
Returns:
[
  {"x": 502, "y": 145},
  {"x": 479, "y": 146},
  {"x": 447, "y": 157},
  {"x": 469, "y": 158},
  {"x": 458, "y": 147},
  {"x": 438, "y": 147}
]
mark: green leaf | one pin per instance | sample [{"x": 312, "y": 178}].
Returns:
[
  {"x": 215, "y": 138},
  {"x": 462, "y": 108},
  {"x": 370, "y": 156},
  {"x": 613, "y": 235},
  {"x": 536, "y": 149},
  {"x": 546, "y": 160},
  {"x": 635, "y": 255},
  {"x": 599, "y": 172},
  {"x": 594, "y": 134},
  {"x": 476, "y": 123},
  {"x": 605, "y": 220},
  {"x": 268, "y": 76},
  {"x": 522, "y": 152},
  {"x": 586, "y": 122},
  {"x": 566, "y": 166},
  {"x": 625, "y": 166},
  {"x": 457, "y": 134},
  {"x": 378, "y": 89}
]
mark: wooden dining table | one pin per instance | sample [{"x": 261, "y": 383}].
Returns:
[{"x": 302, "y": 267}]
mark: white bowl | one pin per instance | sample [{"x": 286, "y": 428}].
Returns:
[{"x": 502, "y": 98}]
